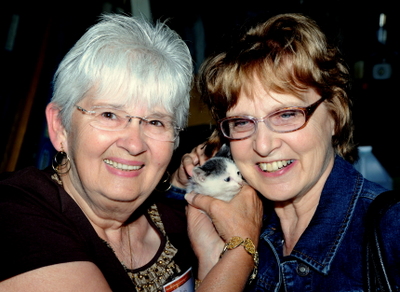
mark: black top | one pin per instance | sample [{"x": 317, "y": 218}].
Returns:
[{"x": 42, "y": 225}]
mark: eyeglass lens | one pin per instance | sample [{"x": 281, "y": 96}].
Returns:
[
  {"x": 281, "y": 121},
  {"x": 110, "y": 119}
]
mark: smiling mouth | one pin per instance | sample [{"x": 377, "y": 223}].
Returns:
[
  {"x": 274, "y": 166},
  {"x": 122, "y": 166}
]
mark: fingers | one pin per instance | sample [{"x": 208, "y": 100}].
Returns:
[
  {"x": 249, "y": 210},
  {"x": 199, "y": 151},
  {"x": 194, "y": 158},
  {"x": 189, "y": 161},
  {"x": 199, "y": 201},
  {"x": 242, "y": 216}
]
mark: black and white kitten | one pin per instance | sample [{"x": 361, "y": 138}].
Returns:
[{"x": 218, "y": 177}]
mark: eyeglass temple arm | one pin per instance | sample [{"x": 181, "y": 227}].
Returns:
[{"x": 310, "y": 109}]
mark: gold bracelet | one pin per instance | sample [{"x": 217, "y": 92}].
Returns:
[{"x": 249, "y": 246}]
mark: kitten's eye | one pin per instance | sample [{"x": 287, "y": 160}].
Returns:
[
  {"x": 227, "y": 179},
  {"x": 238, "y": 173}
]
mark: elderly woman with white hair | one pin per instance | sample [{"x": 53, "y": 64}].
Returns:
[{"x": 91, "y": 223}]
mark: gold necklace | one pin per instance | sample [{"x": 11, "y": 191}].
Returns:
[
  {"x": 57, "y": 178},
  {"x": 130, "y": 247},
  {"x": 160, "y": 271}
]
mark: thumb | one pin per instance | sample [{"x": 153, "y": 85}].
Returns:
[{"x": 199, "y": 201}]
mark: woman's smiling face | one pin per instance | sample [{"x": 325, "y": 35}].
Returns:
[
  {"x": 284, "y": 166},
  {"x": 106, "y": 166}
]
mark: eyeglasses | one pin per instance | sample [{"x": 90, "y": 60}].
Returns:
[
  {"x": 157, "y": 127},
  {"x": 285, "y": 120}
]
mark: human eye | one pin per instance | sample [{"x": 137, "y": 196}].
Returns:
[
  {"x": 241, "y": 124},
  {"x": 108, "y": 115},
  {"x": 110, "y": 118},
  {"x": 288, "y": 114},
  {"x": 287, "y": 117},
  {"x": 159, "y": 123},
  {"x": 156, "y": 123}
]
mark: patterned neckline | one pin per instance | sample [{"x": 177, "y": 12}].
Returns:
[{"x": 161, "y": 269}]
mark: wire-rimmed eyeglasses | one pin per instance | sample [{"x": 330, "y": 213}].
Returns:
[
  {"x": 285, "y": 120},
  {"x": 157, "y": 127}
]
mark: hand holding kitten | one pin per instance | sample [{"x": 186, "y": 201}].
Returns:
[
  {"x": 242, "y": 216},
  {"x": 190, "y": 160}
]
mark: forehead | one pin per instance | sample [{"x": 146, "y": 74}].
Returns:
[
  {"x": 122, "y": 102},
  {"x": 263, "y": 103},
  {"x": 255, "y": 96},
  {"x": 260, "y": 87}
]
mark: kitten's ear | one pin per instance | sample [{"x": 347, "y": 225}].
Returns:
[
  {"x": 199, "y": 174},
  {"x": 224, "y": 151}
]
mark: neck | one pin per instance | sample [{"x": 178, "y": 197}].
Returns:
[
  {"x": 122, "y": 225},
  {"x": 295, "y": 215},
  {"x": 134, "y": 244},
  {"x": 294, "y": 218},
  {"x": 101, "y": 211}
]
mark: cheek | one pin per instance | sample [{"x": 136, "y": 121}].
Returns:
[
  {"x": 312, "y": 141},
  {"x": 90, "y": 142},
  {"x": 162, "y": 154},
  {"x": 242, "y": 153},
  {"x": 239, "y": 149},
  {"x": 314, "y": 146},
  {"x": 319, "y": 130}
]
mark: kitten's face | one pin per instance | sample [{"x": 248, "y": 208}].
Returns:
[
  {"x": 219, "y": 178},
  {"x": 232, "y": 177}
]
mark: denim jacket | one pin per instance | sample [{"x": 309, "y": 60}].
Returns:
[{"x": 329, "y": 254}]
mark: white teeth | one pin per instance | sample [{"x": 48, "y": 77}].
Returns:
[
  {"x": 121, "y": 166},
  {"x": 274, "y": 166}
]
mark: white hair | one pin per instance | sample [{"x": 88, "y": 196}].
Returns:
[{"x": 128, "y": 57}]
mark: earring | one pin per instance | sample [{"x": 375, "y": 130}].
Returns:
[
  {"x": 164, "y": 185},
  {"x": 60, "y": 161}
]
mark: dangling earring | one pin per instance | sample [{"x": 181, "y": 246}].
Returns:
[
  {"x": 164, "y": 185},
  {"x": 60, "y": 161}
]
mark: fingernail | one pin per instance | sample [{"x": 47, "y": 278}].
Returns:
[{"x": 189, "y": 197}]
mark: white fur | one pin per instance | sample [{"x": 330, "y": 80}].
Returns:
[{"x": 223, "y": 186}]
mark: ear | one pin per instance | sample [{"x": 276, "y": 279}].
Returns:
[
  {"x": 333, "y": 125},
  {"x": 224, "y": 151},
  {"x": 56, "y": 130},
  {"x": 198, "y": 174}
]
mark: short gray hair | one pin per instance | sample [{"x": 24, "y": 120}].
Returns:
[{"x": 129, "y": 57}]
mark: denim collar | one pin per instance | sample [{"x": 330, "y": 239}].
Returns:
[{"x": 319, "y": 243}]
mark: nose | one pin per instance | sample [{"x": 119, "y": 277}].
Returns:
[
  {"x": 132, "y": 138},
  {"x": 265, "y": 141}
]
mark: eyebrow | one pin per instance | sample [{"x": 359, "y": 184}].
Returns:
[
  {"x": 160, "y": 115},
  {"x": 286, "y": 107},
  {"x": 107, "y": 105}
]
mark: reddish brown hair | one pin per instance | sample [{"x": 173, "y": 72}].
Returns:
[{"x": 288, "y": 53}]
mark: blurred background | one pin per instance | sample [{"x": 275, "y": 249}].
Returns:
[{"x": 35, "y": 35}]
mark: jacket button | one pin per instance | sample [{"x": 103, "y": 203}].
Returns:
[{"x": 302, "y": 270}]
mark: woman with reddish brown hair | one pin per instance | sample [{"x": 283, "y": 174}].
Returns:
[{"x": 279, "y": 98}]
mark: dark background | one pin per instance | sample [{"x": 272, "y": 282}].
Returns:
[{"x": 44, "y": 32}]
